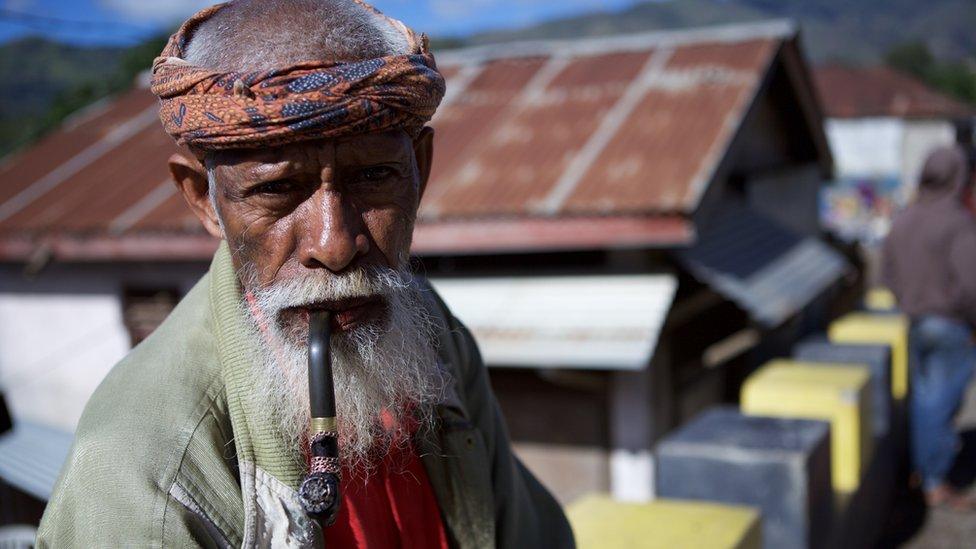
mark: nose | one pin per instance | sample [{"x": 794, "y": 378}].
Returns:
[{"x": 334, "y": 233}]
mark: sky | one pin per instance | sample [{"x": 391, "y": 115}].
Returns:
[{"x": 125, "y": 22}]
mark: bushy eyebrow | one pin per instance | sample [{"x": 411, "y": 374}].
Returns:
[
  {"x": 259, "y": 172},
  {"x": 370, "y": 153}
]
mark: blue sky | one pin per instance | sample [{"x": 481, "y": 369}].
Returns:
[{"x": 127, "y": 21}]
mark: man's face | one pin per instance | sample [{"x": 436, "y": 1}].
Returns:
[
  {"x": 327, "y": 225},
  {"x": 317, "y": 209}
]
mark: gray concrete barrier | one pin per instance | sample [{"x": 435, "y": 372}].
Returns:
[
  {"x": 876, "y": 357},
  {"x": 781, "y": 466}
]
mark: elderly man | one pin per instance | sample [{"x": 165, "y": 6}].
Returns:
[{"x": 310, "y": 155}]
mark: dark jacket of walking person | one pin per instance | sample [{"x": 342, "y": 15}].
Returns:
[{"x": 930, "y": 265}]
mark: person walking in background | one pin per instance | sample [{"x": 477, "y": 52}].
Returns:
[{"x": 929, "y": 263}]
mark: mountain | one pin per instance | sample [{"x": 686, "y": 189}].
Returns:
[
  {"x": 860, "y": 31},
  {"x": 37, "y": 74},
  {"x": 35, "y": 71},
  {"x": 46, "y": 81}
]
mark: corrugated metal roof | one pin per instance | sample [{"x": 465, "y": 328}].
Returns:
[
  {"x": 765, "y": 268},
  {"x": 603, "y": 134},
  {"x": 591, "y": 131},
  {"x": 594, "y": 322},
  {"x": 855, "y": 92}
]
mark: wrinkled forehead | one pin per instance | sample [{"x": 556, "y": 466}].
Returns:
[{"x": 387, "y": 145}]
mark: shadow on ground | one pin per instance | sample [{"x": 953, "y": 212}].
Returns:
[
  {"x": 963, "y": 473},
  {"x": 909, "y": 512}
]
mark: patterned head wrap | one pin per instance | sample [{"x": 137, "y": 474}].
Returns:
[{"x": 214, "y": 110}]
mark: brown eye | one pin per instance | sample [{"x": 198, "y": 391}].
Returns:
[
  {"x": 376, "y": 173},
  {"x": 280, "y": 186}
]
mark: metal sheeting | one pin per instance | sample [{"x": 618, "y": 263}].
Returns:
[
  {"x": 31, "y": 457},
  {"x": 665, "y": 152},
  {"x": 598, "y": 322},
  {"x": 610, "y": 127},
  {"x": 760, "y": 265},
  {"x": 637, "y": 130},
  {"x": 77, "y": 133},
  {"x": 859, "y": 92},
  {"x": 501, "y": 235}
]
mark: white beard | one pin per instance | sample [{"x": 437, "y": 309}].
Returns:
[{"x": 387, "y": 367}]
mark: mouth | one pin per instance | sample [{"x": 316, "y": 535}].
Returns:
[{"x": 347, "y": 314}]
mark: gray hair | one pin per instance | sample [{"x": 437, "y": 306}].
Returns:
[
  {"x": 255, "y": 35},
  {"x": 212, "y": 188}
]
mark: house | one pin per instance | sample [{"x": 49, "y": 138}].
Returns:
[
  {"x": 627, "y": 224},
  {"x": 881, "y": 125}
]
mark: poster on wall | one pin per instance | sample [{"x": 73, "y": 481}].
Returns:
[{"x": 859, "y": 209}]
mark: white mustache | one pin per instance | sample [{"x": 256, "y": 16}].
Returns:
[{"x": 323, "y": 286}]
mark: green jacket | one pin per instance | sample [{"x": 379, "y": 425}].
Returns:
[{"x": 169, "y": 452}]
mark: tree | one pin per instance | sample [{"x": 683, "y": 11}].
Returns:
[{"x": 952, "y": 78}]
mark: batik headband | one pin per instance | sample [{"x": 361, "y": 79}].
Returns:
[{"x": 215, "y": 110}]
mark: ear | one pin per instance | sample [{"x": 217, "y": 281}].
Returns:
[
  {"x": 423, "y": 150},
  {"x": 191, "y": 179}
]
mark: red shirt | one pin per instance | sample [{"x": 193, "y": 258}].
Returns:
[{"x": 394, "y": 507}]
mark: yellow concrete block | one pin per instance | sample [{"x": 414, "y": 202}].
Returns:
[
  {"x": 888, "y": 329},
  {"x": 838, "y": 394},
  {"x": 599, "y": 522},
  {"x": 880, "y": 299}
]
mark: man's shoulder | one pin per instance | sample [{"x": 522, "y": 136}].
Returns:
[
  {"x": 160, "y": 413},
  {"x": 164, "y": 381}
]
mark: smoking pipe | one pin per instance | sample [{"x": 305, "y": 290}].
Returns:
[{"x": 319, "y": 491}]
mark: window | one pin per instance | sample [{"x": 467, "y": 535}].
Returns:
[{"x": 144, "y": 309}]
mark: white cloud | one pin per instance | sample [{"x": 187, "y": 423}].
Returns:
[{"x": 155, "y": 11}]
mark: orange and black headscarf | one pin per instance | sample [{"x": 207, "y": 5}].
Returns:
[{"x": 229, "y": 110}]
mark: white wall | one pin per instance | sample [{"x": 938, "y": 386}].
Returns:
[
  {"x": 54, "y": 351},
  {"x": 866, "y": 147},
  {"x": 61, "y": 331}
]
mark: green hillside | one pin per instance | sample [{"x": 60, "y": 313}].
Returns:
[
  {"x": 38, "y": 73},
  {"x": 47, "y": 81},
  {"x": 859, "y": 30}
]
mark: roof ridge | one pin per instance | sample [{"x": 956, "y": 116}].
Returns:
[{"x": 731, "y": 32}]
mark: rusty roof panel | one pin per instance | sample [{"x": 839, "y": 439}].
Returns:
[
  {"x": 587, "y": 72},
  {"x": 461, "y": 127},
  {"x": 674, "y": 137},
  {"x": 172, "y": 214},
  {"x": 543, "y": 129},
  {"x": 853, "y": 92},
  {"x": 750, "y": 56},
  {"x": 556, "y": 146},
  {"x": 110, "y": 247},
  {"x": 673, "y": 130},
  {"x": 102, "y": 190},
  {"x": 79, "y": 132},
  {"x": 507, "y": 235}
]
